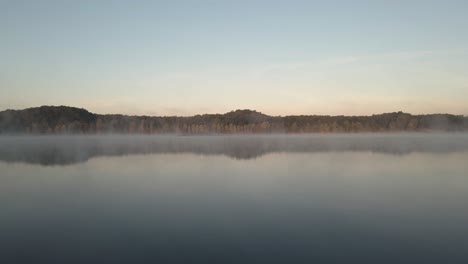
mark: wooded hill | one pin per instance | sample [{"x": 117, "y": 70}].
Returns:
[{"x": 65, "y": 120}]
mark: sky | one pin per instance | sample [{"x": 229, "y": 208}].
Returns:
[{"x": 277, "y": 57}]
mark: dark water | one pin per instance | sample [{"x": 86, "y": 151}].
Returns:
[{"x": 240, "y": 199}]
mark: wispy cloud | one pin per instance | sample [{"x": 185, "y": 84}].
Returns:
[{"x": 350, "y": 59}]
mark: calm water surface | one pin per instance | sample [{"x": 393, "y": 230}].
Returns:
[{"x": 238, "y": 199}]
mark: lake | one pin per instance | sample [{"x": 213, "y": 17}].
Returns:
[{"x": 361, "y": 198}]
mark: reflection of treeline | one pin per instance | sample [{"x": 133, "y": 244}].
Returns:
[
  {"x": 70, "y": 149},
  {"x": 49, "y": 119}
]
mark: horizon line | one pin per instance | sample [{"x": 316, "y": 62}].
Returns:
[{"x": 239, "y": 109}]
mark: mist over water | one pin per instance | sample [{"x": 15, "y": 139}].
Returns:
[
  {"x": 63, "y": 150},
  {"x": 363, "y": 198}
]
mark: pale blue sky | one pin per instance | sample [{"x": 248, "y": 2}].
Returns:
[{"x": 278, "y": 57}]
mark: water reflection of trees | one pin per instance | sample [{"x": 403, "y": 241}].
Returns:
[{"x": 63, "y": 150}]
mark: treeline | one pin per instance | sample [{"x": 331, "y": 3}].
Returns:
[{"x": 65, "y": 120}]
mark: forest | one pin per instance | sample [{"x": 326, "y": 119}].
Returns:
[{"x": 71, "y": 120}]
